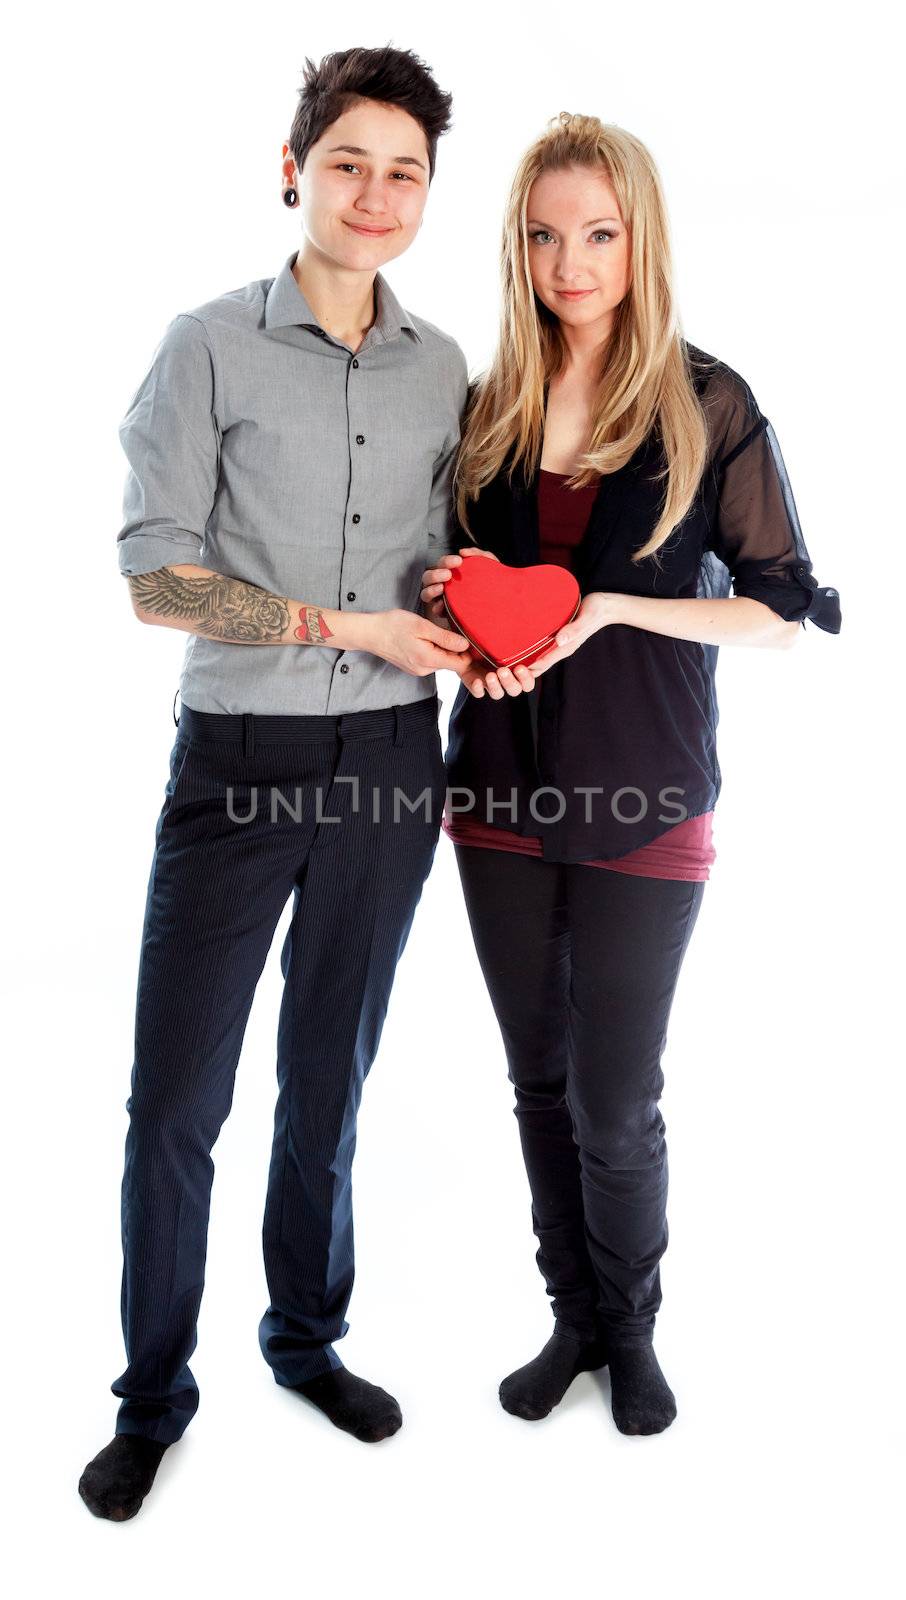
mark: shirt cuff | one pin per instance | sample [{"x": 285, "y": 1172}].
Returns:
[
  {"x": 146, "y": 552},
  {"x": 797, "y": 597}
]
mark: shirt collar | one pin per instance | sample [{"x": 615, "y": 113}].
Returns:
[{"x": 286, "y": 306}]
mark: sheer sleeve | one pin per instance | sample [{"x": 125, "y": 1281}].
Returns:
[{"x": 756, "y": 532}]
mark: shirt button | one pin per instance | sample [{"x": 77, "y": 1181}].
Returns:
[
  {"x": 360, "y": 438},
  {"x": 356, "y": 517},
  {"x": 344, "y": 667},
  {"x": 351, "y": 595},
  {"x": 355, "y": 363}
]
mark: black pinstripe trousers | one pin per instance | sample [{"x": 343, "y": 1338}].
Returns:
[{"x": 343, "y": 814}]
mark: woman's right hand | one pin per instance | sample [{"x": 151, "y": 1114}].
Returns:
[
  {"x": 481, "y": 679},
  {"x": 434, "y": 578},
  {"x": 498, "y": 682}
]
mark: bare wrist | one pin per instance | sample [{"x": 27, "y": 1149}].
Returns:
[
  {"x": 355, "y": 630},
  {"x": 608, "y": 608}
]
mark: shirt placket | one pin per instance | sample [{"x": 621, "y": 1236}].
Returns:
[{"x": 344, "y": 686}]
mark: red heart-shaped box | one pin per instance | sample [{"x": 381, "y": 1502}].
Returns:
[{"x": 510, "y": 614}]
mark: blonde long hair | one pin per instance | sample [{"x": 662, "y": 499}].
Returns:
[{"x": 645, "y": 380}]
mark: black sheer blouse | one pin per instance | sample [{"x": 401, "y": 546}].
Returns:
[{"x": 617, "y": 743}]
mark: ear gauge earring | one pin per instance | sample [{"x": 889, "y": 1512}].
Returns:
[{"x": 290, "y": 198}]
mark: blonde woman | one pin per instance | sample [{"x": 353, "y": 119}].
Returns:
[{"x": 582, "y": 789}]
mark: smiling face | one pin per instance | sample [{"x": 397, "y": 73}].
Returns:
[
  {"x": 578, "y": 247},
  {"x": 364, "y": 185}
]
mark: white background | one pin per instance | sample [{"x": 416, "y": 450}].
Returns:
[{"x": 142, "y": 176}]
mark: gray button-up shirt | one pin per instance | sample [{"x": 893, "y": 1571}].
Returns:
[{"x": 263, "y": 448}]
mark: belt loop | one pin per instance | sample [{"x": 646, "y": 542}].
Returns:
[
  {"x": 175, "y": 717},
  {"x": 397, "y": 725},
  {"x": 248, "y": 734}
]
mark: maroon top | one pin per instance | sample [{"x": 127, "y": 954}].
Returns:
[{"x": 686, "y": 850}]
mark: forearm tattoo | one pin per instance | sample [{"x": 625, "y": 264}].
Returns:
[
  {"x": 223, "y": 608},
  {"x": 312, "y": 628}
]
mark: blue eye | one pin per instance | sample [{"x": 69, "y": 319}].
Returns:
[{"x": 542, "y": 232}]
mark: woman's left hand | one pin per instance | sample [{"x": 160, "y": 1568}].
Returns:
[{"x": 595, "y": 612}]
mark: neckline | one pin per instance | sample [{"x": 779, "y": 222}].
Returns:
[{"x": 563, "y": 476}]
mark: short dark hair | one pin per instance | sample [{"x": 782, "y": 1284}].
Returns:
[{"x": 394, "y": 77}]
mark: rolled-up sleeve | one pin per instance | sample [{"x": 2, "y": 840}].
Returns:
[
  {"x": 756, "y": 533},
  {"x": 171, "y": 438}
]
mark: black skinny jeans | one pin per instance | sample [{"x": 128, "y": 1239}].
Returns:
[{"x": 581, "y": 966}]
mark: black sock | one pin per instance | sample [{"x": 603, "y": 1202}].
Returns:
[
  {"x": 641, "y": 1399},
  {"x": 115, "y": 1483},
  {"x": 533, "y": 1390},
  {"x": 351, "y": 1403}
]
